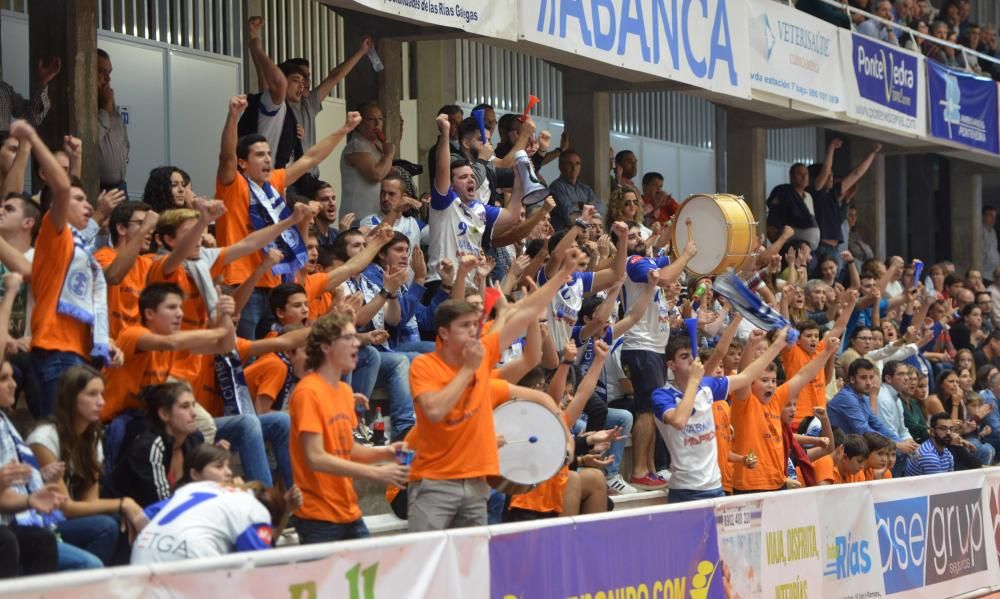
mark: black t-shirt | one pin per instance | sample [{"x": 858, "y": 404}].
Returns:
[{"x": 829, "y": 216}]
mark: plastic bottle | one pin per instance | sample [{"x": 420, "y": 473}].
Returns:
[{"x": 378, "y": 428}]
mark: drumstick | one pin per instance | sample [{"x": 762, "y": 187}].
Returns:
[
  {"x": 531, "y": 439},
  {"x": 687, "y": 223}
]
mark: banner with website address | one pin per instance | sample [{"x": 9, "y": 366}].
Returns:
[
  {"x": 885, "y": 85},
  {"x": 703, "y": 44},
  {"x": 654, "y": 554},
  {"x": 963, "y": 107},
  {"x": 794, "y": 55},
  {"x": 488, "y": 18}
]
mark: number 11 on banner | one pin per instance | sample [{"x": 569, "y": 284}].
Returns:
[{"x": 368, "y": 578}]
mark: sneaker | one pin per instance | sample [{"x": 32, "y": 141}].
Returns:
[
  {"x": 618, "y": 486},
  {"x": 648, "y": 483},
  {"x": 663, "y": 475}
]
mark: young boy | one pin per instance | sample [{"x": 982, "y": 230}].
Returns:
[
  {"x": 125, "y": 267},
  {"x": 879, "y": 464},
  {"x": 273, "y": 376},
  {"x": 850, "y": 460}
]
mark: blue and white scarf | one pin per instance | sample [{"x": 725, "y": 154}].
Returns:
[
  {"x": 749, "y": 304},
  {"x": 232, "y": 382},
  {"x": 281, "y": 402},
  {"x": 12, "y": 448},
  {"x": 267, "y": 208},
  {"x": 84, "y": 296}
]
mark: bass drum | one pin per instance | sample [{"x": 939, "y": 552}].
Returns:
[
  {"x": 723, "y": 228},
  {"x": 534, "y": 447}
]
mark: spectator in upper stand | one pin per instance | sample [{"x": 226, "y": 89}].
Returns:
[
  {"x": 13, "y": 106},
  {"x": 991, "y": 256},
  {"x": 828, "y": 199},
  {"x": 970, "y": 39},
  {"x": 168, "y": 187},
  {"x": 904, "y": 13},
  {"x": 398, "y": 210},
  {"x": 626, "y": 168},
  {"x": 790, "y": 204},
  {"x": 860, "y": 249},
  {"x": 570, "y": 193},
  {"x": 489, "y": 119},
  {"x": 933, "y": 456},
  {"x": 951, "y": 14},
  {"x": 877, "y": 29},
  {"x": 822, "y": 10},
  {"x": 657, "y": 205},
  {"x": 937, "y": 52},
  {"x": 304, "y": 104},
  {"x": 455, "y": 117},
  {"x": 112, "y": 135},
  {"x": 366, "y": 160}
]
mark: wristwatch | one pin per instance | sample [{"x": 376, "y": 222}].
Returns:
[
  {"x": 581, "y": 223},
  {"x": 388, "y": 295}
]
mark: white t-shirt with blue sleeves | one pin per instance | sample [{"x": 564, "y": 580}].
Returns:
[
  {"x": 693, "y": 454},
  {"x": 204, "y": 519},
  {"x": 652, "y": 331},
  {"x": 455, "y": 226}
]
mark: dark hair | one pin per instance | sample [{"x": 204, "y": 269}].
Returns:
[
  {"x": 340, "y": 244},
  {"x": 30, "y": 209},
  {"x": 278, "y": 297},
  {"x": 155, "y": 294},
  {"x": 968, "y": 308},
  {"x": 855, "y": 445},
  {"x": 450, "y": 310},
  {"x": 468, "y": 126},
  {"x": 859, "y": 364},
  {"x": 200, "y": 457},
  {"x": 397, "y": 238},
  {"x": 838, "y": 436},
  {"x": 103, "y": 54},
  {"x": 988, "y": 208},
  {"x": 533, "y": 377},
  {"x": 483, "y": 107},
  {"x": 791, "y": 169},
  {"x": 293, "y": 67},
  {"x": 324, "y": 331},
  {"x": 807, "y": 324},
  {"x": 77, "y": 450},
  {"x": 325, "y": 256},
  {"x": 858, "y": 330},
  {"x": 317, "y": 187},
  {"x": 459, "y": 163},
  {"x": 158, "y": 193},
  {"x": 875, "y": 441},
  {"x": 651, "y": 176},
  {"x": 935, "y": 418},
  {"x": 676, "y": 344},
  {"x": 122, "y": 214},
  {"x": 889, "y": 368},
  {"x": 614, "y": 236},
  {"x": 950, "y": 280},
  {"x": 555, "y": 239},
  {"x": 272, "y": 498},
  {"x": 449, "y": 109},
  {"x": 45, "y": 198},
  {"x": 983, "y": 377},
  {"x": 534, "y": 246},
  {"x": 588, "y": 308},
  {"x": 162, "y": 396},
  {"x": 620, "y": 156},
  {"x": 244, "y": 143}
]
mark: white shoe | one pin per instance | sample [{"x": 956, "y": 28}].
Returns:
[
  {"x": 618, "y": 486},
  {"x": 664, "y": 474}
]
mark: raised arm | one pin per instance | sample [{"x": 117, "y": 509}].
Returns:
[
  {"x": 826, "y": 172},
  {"x": 56, "y": 177},
  {"x": 227, "y": 170},
  {"x": 123, "y": 262},
  {"x": 442, "y": 165},
  {"x": 848, "y": 300},
  {"x": 14, "y": 181},
  {"x": 210, "y": 210},
  {"x": 638, "y": 309},
  {"x": 341, "y": 70},
  {"x": 353, "y": 267},
  {"x": 670, "y": 273},
  {"x": 589, "y": 382},
  {"x": 530, "y": 307},
  {"x": 258, "y": 239},
  {"x": 859, "y": 171},
  {"x": 519, "y": 231},
  {"x": 807, "y": 373},
  {"x": 273, "y": 82},
  {"x": 679, "y": 416},
  {"x": 602, "y": 313},
  {"x": 322, "y": 149},
  {"x": 606, "y": 278},
  {"x": 739, "y": 383},
  {"x": 14, "y": 259},
  {"x": 723, "y": 345}
]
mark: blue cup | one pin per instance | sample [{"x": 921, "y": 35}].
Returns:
[{"x": 405, "y": 456}]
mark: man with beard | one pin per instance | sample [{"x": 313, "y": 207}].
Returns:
[
  {"x": 932, "y": 456},
  {"x": 851, "y": 410},
  {"x": 395, "y": 209}
]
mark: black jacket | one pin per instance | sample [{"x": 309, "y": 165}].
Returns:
[{"x": 142, "y": 471}]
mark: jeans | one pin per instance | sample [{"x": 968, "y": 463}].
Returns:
[
  {"x": 412, "y": 349},
  {"x": 494, "y": 507},
  {"x": 49, "y": 366},
  {"x": 391, "y": 370},
  {"x": 684, "y": 495},
  {"x": 247, "y": 434},
  {"x": 984, "y": 451},
  {"x": 319, "y": 531},
  {"x": 623, "y": 419},
  {"x": 255, "y": 317},
  {"x": 74, "y": 558},
  {"x": 97, "y": 535}
]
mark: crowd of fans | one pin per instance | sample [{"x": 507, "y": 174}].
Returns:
[
  {"x": 152, "y": 342},
  {"x": 946, "y": 20}
]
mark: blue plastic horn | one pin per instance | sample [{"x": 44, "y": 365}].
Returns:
[
  {"x": 692, "y": 329},
  {"x": 480, "y": 116}
]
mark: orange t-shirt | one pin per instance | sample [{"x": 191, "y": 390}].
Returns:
[
  {"x": 235, "y": 225},
  {"x": 50, "y": 329},
  {"x": 187, "y": 365},
  {"x": 870, "y": 474},
  {"x": 206, "y": 387},
  {"x": 266, "y": 376},
  {"x": 812, "y": 395},
  {"x": 316, "y": 407},
  {"x": 318, "y": 297},
  {"x": 463, "y": 444},
  {"x": 839, "y": 479},
  {"x": 548, "y": 496},
  {"x": 141, "y": 369},
  {"x": 123, "y": 298},
  {"x": 824, "y": 470},
  {"x": 758, "y": 427},
  {"x": 723, "y": 441}
]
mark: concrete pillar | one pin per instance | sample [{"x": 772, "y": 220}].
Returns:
[
  {"x": 966, "y": 186},
  {"x": 587, "y": 113},
  {"x": 69, "y": 30},
  {"x": 921, "y": 183},
  {"x": 435, "y": 86},
  {"x": 746, "y": 164},
  {"x": 870, "y": 199},
  {"x": 896, "y": 206}
]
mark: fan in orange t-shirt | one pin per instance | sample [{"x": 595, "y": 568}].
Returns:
[
  {"x": 131, "y": 228},
  {"x": 325, "y": 456},
  {"x": 850, "y": 460},
  {"x": 454, "y": 411}
]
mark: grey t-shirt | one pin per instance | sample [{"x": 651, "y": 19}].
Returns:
[
  {"x": 305, "y": 112},
  {"x": 360, "y": 195}
]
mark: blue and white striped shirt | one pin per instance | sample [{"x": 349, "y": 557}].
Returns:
[{"x": 929, "y": 461}]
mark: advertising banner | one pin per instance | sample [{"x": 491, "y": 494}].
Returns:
[
  {"x": 793, "y": 563},
  {"x": 703, "y": 43},
  {"x": 665, "y": 554},
  {"x": 932, "y": 537},
  {"x": 884, "y": 84},
  {"x": 850, "y": 543},
  {"x": 481, "y": 17},
  {"x": 963, "y": 107},
  {"x": 738, "y": 525},
  {"x": 794, "y": 55}
]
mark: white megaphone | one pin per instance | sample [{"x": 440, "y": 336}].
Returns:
[{"x": 534, "y": 191}]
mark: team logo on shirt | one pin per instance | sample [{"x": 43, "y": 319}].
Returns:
[{"x": 264, "y": 534}]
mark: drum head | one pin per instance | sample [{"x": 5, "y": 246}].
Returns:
[
  {"x": 708, "y": 230},
  {"x": 521, "y": 460}
]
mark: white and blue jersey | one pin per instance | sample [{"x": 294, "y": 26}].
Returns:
[
  {"x": 203, "y": 519},
  {"x": 457, "y": 227},
  {"x": 693, "y": 453},
  {"x": 652, "y": 331},
  {"x": 585, "y": 358},
  {"x": 414, "y": 228}
]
